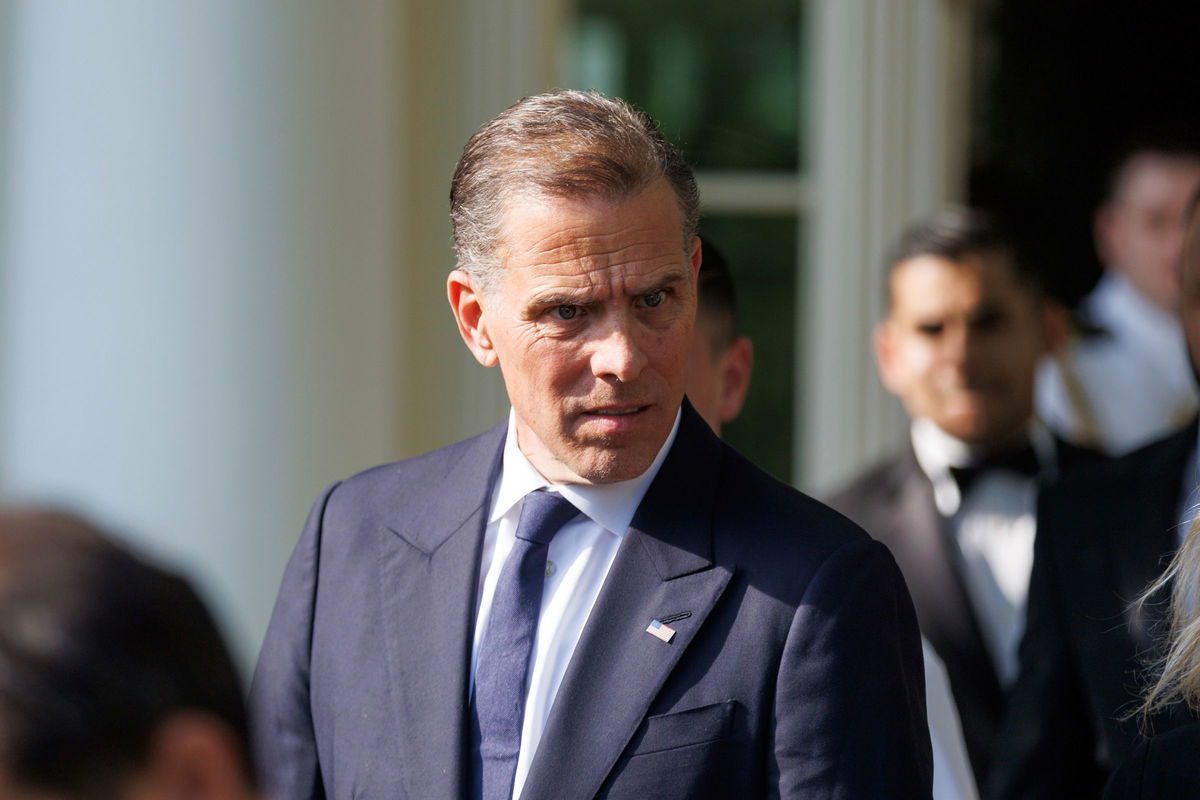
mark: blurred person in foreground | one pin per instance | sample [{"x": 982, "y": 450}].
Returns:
[
  {"x": 596, "y": 596},
  {"x": 1102, "y": 538},
  {"x": 114, "y": 682},
  {"x": 718, "y": 381},
  {"x": 1125, "y": 380},
  {"x": 966, "y": 326}
]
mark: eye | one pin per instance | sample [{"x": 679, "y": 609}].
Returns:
[
  {"x": 655, "y": 298},
  {"x": 930, "y": 329},
  {"x": 565, "y": 313}
]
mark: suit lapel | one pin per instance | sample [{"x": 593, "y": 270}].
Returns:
[
  {"x": 663, "y": 568},
  {"x": 927, "y": 553},
  {"x": 428, "y": 570}
]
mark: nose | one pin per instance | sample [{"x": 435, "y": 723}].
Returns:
[
  {"x": 957, "y": 344},
  {"x": 618, "y": 353}
]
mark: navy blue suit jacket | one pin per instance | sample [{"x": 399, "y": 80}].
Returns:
[{"x": 795, "y": 671}]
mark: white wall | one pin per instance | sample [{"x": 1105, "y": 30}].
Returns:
[{"x": 198, "y": 271}]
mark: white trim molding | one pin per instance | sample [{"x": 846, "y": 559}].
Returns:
[{"x": 888, "y": 82}]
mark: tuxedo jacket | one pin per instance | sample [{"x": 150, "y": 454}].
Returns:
[
  {"x": 1164, "y": 768},
  {"x": 1103, "y": 535},
  {"x": 894, "y": 502},
  {"x": 795, "y": 670}
]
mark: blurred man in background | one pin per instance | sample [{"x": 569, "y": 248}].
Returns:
[
  {"x": 1103, "y": 536},
  {"x": 114, "y": 682},
  {"x": 721, "y": 358},
  {"x": 1126, "y": 380},
  {"x": 965, "y": 329}
]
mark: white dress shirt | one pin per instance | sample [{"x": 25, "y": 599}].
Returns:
[
  {"x": 993, "y": 527},
  {"x": 578, "y": 560},
  {"x": 952, "y": 776},
  {"x": 1125, "y": 388}
]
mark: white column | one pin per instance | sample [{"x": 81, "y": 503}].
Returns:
[
  {"x": 887, "y": 147},
  {"x": 197, "y": 317}
]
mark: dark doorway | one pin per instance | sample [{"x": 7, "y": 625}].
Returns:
[{"x": 1061, "y": 89}]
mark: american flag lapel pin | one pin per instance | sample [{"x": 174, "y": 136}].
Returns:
[{"x": 660, "y": 631}]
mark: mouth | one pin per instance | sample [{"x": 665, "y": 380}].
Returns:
[{"x": 615, "y": 411}]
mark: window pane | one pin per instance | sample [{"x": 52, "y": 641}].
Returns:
[
  {"x": 723, "y": 79},
  {"x": 761, "y": 255}
]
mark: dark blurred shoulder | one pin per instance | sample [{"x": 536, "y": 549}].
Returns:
[{"x": 1164, "y": 768}]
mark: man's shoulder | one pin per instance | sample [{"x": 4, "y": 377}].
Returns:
[
  {"x": 757, "y": 507},
  {"x": 1117, "y": 480},
  {"x": 1114, "y": 501},
  {"x": 877, "y": 484},
  {"x": 465, "y": 466}
]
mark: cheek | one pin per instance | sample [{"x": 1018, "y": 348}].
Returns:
[{"x": 918, "y": 361}]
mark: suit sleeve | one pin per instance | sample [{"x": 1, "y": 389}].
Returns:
[
  {"x": 1046, "y": 746},
  {"x": 280, "y": 708},
  {"x": 850, "y": 703}
]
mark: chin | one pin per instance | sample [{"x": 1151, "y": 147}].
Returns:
[{"x": 609, "y": 466}]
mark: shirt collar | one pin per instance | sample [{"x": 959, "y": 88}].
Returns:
[
  {"x": 610, "y": 505},
  {"x": 938, "y": 451},
  {"x": 1115, "y": 302}
]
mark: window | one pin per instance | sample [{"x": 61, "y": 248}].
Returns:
[{"x": 724, "y": 82}]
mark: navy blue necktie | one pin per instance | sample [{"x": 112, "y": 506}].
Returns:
[{"x": 502, "y": 665}]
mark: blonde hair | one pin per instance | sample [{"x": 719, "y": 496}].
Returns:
[{"x": 1176, "y": 674}]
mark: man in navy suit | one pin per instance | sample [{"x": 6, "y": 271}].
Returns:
[{"x": 685, "y": 627}]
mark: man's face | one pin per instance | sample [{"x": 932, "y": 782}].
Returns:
[
  {"x": 590, "y": 323},
  {"x": 960, "y": 346},
  {"x": 1140, "y": 232}
]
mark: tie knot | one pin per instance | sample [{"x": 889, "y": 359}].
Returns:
[{"x": 542, "y": 514}]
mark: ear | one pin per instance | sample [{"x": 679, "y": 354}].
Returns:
[
  {"x": 1053, "y": 319},
  {"x": 467, "y": 303},
  {"x": 883, "y": 341},
  {"x": 695, "y": 258},
  {"x": 194, "y": 756},
  {"x": 736, "y": 366}
]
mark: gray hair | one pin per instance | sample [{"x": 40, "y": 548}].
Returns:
[{"x": 566, "y": 144}]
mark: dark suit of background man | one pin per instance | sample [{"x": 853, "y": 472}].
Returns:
[
  {"x": 1102, "y": 538},
  {"x": 965, "y": 329},
  {"x": 701, "y": 630}
]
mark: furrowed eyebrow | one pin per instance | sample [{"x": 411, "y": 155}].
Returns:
[
  {"x": 582, "y": 297},
  {"x": 560, "y": 299},
  {"x": 671, "y": 279}
]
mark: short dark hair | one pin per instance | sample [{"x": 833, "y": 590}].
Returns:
[
  {"x": 957, "y": 233},
  {"x": 568, "y": 144},
  {"x": 716, "y": 299},
  {"x": 97, "y": 649},
  {"x": 1170, "y": 144}
]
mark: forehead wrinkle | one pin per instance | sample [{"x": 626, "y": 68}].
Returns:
[{"x": 579, "y": 287}]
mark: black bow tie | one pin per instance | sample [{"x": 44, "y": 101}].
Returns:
[{"x": 1022, "y": 461}]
